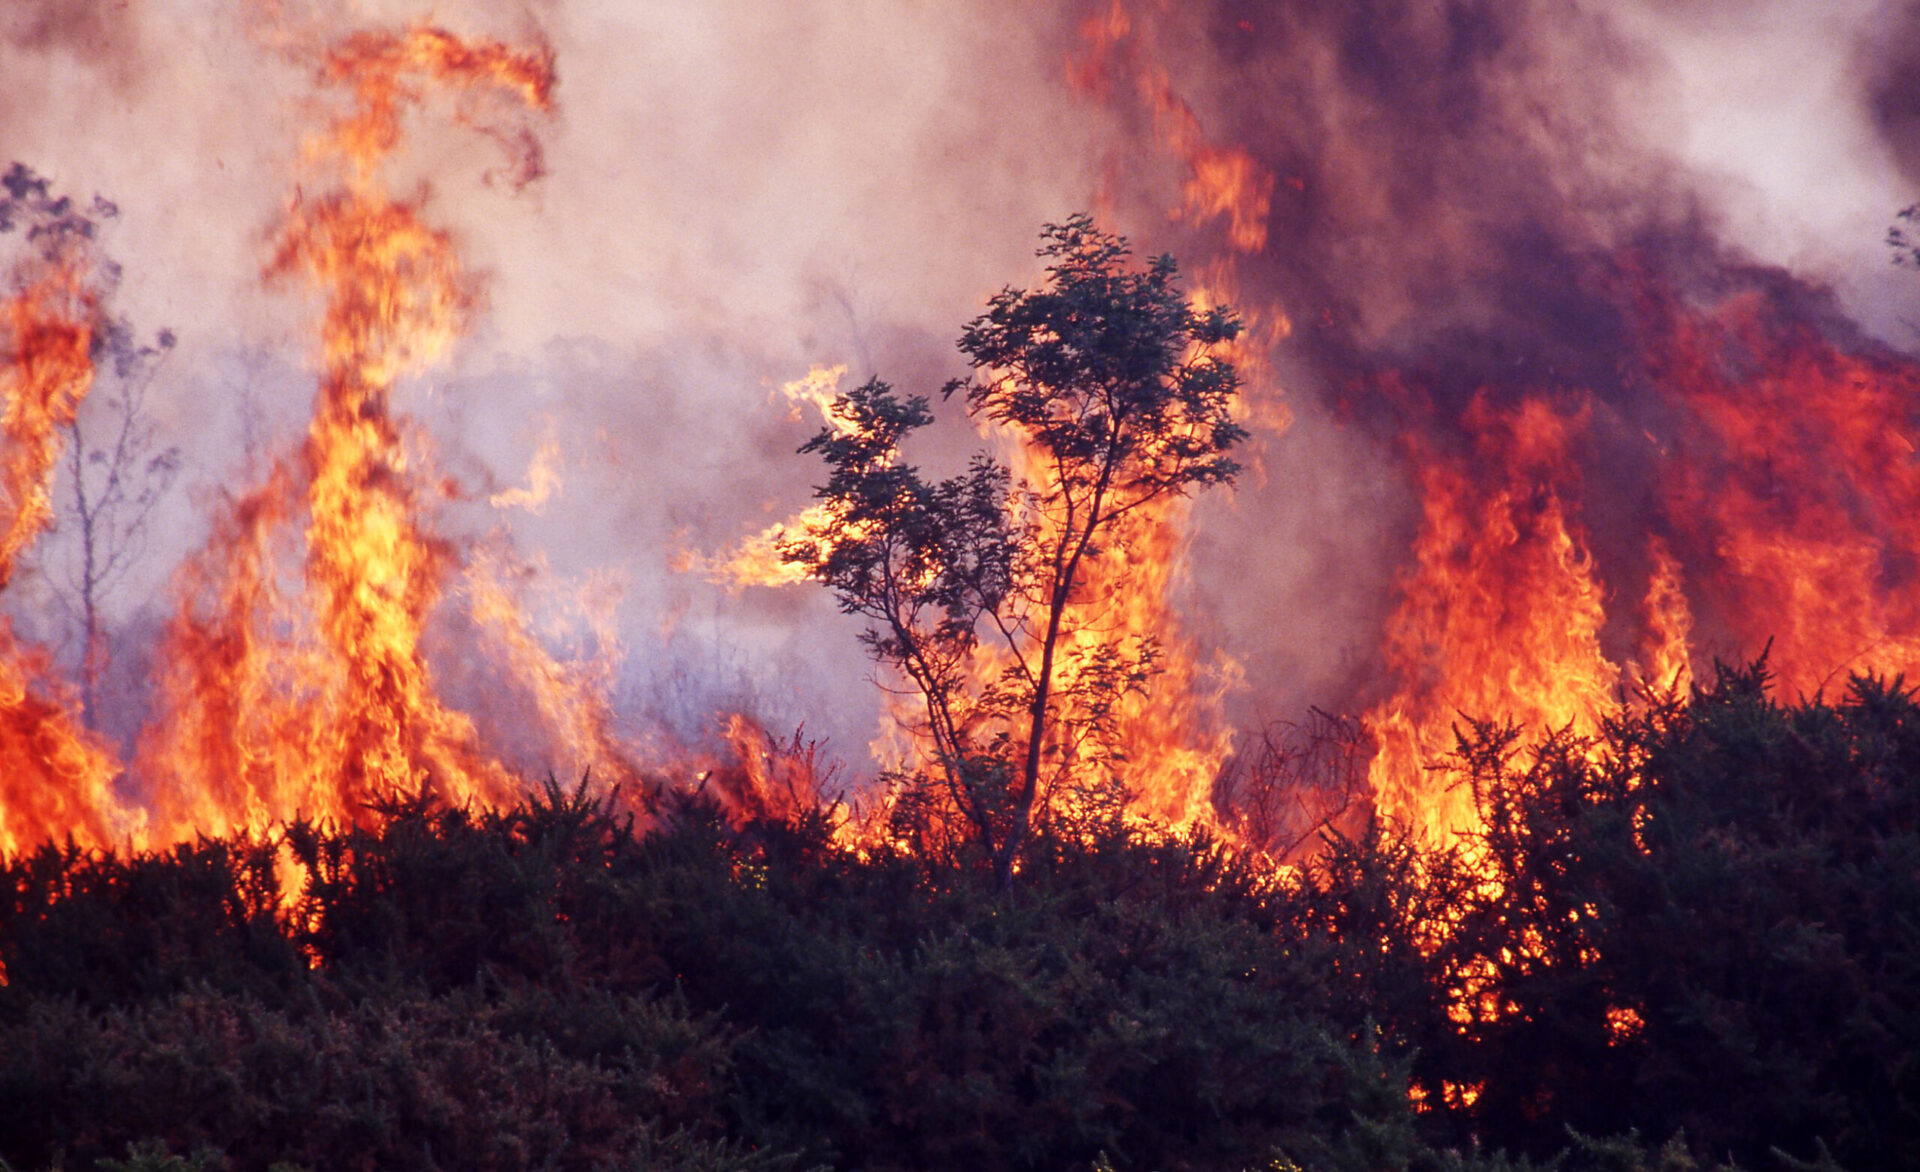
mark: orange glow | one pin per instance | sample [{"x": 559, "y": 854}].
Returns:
[
  {"x": 1172, "y": 736},
  {"x": 1624, "y": 1024},
  {"x": 572, "y": 704},
  {"x": 58, "y": 780},
  {"x": 543, "y": 480},
  {"x": 1223, "y": 182},
  {"x": 48, "y": 371},
  {"x": 766, "y": 779},
  {"x": 1667, "y": 658},
  {"x": 757, "y": 561}
]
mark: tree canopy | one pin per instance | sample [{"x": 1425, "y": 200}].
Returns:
[{"x": 1116, "y": 393}]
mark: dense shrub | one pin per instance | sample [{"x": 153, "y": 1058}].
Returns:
[
  {"x": 451, "y": 1083},
  {"x": 1698, "y": 927},
  {"x": 1707, "y": 920}
]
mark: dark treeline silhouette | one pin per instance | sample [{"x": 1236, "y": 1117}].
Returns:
[{"x": 1690, "y": 941}]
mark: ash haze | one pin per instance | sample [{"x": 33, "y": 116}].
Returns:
[{"x": 736, "y": 191}]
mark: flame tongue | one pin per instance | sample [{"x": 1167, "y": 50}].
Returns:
[
  {"x": 235, "y": 742},
  {"x": 48, "y": 373},
  {"x": 1500, "y": 614},
  {"x": 1795, "y": 481},
  {"x": 327, "y": 720},
  {"x": 392, "y": 291}
]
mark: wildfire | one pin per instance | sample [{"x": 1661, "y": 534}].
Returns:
[
  {"x": 49, "y": 329},
  {"x": 572, "y": 699},
  {"x": 1782, "y": 492},
  {"x": 1222, "y": 181},
  {"x": 1667, "y": 649},
  {"x": 757, "y": 561},
  {"x": 268, "y": 717},
  {"x": 543, "y": 480},
  {"x": 1795, "y": 483},
  {"x": 1168, "y": 737},
  {"x": 1782, "y": 513}
]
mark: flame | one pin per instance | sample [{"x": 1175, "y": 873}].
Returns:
[
  {"x": 328, "y": 707},
  {"x": 757, "y": 560},
  {"x": 1500, "y": 614},
  {"x": 1223, "y": 182},
  {"x": 236, "y": 686},
  {"x": 1170, "y": 739},
  {"x": 572, "y": 700},
  {"x": 1784, "y": 511},
  {"x": 543, "y": 480},
  {"x": 817, "y": 389},
  {"x": 49, "y": 330},
  {"x": 1173, "y": 737},
  {"x": 1794, "y": 480},
  {"x": 766, "y": 779},
  {"x": 1667, "y": 649}
]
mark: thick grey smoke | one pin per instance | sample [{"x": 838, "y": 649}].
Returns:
[
  {"x": 1456, "y": 190},
  {"x": 736, "y": 191}
]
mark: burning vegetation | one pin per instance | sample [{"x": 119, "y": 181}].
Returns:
[{"x": 1607, "y": 837}]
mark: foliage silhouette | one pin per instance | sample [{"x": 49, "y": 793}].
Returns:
[
  {"x": 1119, "y": 395},
  {"x": 550, "y": 986}
]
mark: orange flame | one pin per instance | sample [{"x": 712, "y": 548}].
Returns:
[
  {"x": 48, "y": 372},
  {"x": 1500, "y": 614},
  {"x": 1173, "y": 737},
  {"x": 543, "y": 480},
  {"x": 1222, "y": 181},
  {"x": 757, "y": 560},
  {"x": 1667, "y": 653},
  {"x": 268, "y": 720},
  {"x": 1795, "y": 480},
  {"x": 571, "y": 701}
]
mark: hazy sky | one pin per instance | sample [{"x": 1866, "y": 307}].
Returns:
[{"x": 737, "y": 190}]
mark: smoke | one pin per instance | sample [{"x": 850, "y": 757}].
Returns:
[
  {"x": 735, "y": 192},
  {"x": 1463, "y": 198},
  {"x": 97, "y": 37}
]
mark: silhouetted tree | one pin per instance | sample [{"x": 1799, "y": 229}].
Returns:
[
  {"x": 117, "y": 470},
  {"x": 1116, "y": 390}
]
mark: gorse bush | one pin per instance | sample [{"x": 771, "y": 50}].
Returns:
[
  {"x": 1706, "y": 919},
  {"x": 1697, "y": 928}
]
